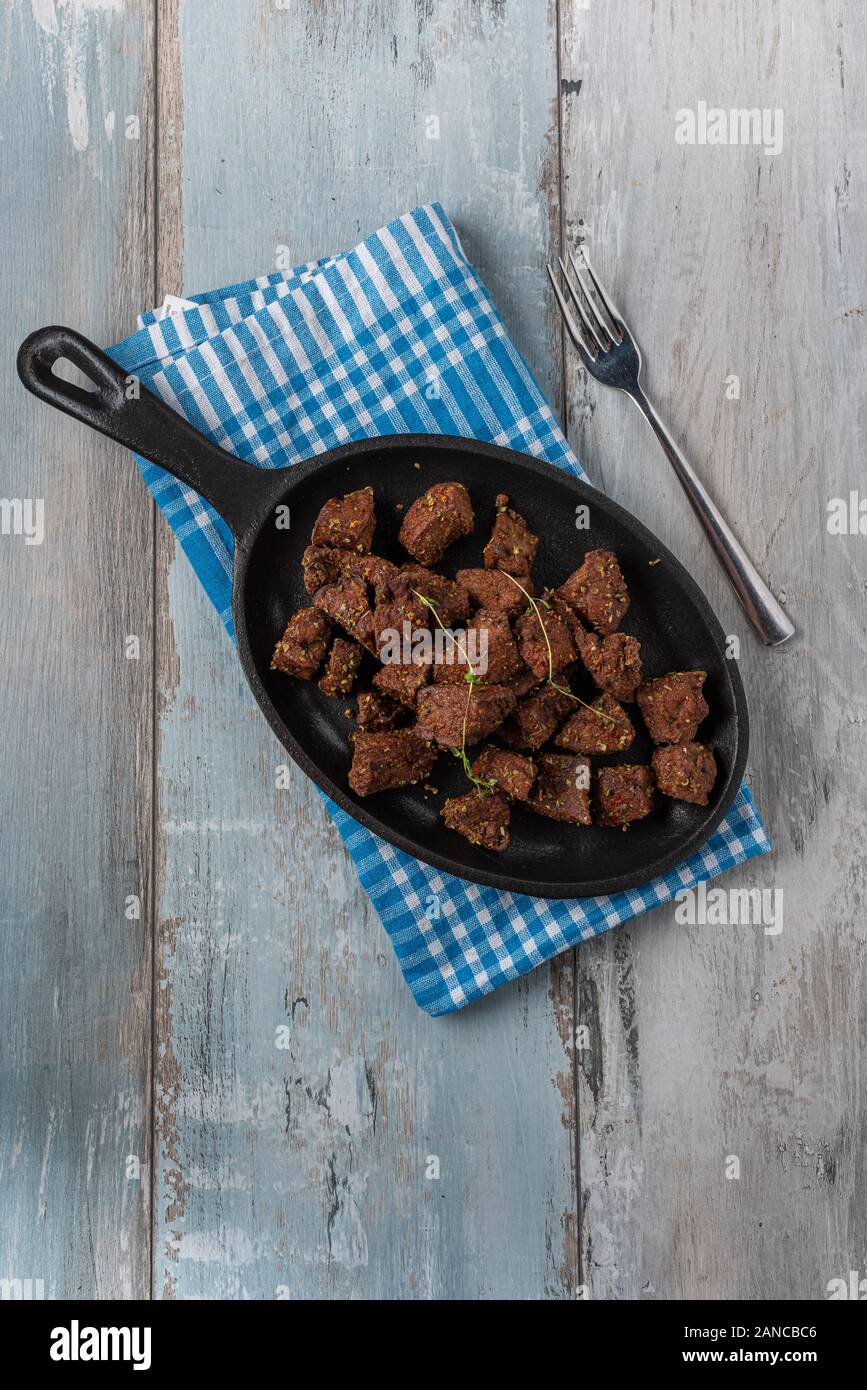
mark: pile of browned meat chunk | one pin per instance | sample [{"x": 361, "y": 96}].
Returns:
[{"x": 426, "y": 697}]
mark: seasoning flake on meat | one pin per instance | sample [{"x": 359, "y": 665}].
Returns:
[
  {"x": 512, "y": 546},
  {"x": 451, "y": 600},
  {"x": 381, "y": 762},
  {"x": 378, "y": 713},
  {"x": 492, "y": 589},
  {"x": 325, "y": 564},
  {"x": 397, "y": 604},
  {"x": 341, "y": 667},
  {"x": 481, "y": 818},
  {"x": 513, "y": 773},
  {"x": 435, "y": 520},
  {"x": 491, "y": 648},
  {"x": 623, "y": 794},
  {"x": 303, "y": 645},
  {"x": 347, "y": 522},
  {"x": 536, "y": 718},
  {"x": 402, "y": 681},
  {"x": 347, "y": 605},
  {"x": 603, "y": 727},
  {"x": 545, "y": 641},
  {"x": 562, "y": 790},
  {"x": 673, "y": 706},
  {"x": 597, "y": 591},
  {"x": 685, "y": 771},
  {"x": 614, "y": 662},
  {"x": 458, "y": 716}
]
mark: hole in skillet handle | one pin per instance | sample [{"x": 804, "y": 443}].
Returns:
[
  {"x": 68, "y": 372},
  {"x": 42, "y": 350},
  {"x": 141, "y": 422}
]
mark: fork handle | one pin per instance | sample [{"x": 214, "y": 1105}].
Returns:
[{"x": 770, "y": 620}]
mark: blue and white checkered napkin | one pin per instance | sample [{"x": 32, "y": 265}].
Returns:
[{"x": 396, "y": 336}]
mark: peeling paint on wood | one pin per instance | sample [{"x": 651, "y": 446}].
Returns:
[
  {"x": 724, "y": 1041},
  {"x": 75, "y": 785}
]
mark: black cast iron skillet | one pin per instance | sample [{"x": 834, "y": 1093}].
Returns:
[{"x": 669, "y": 614}]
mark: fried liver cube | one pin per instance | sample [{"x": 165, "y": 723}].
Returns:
[
  {"x": 499, "y": 660},
  {"x": 546, "y": 652},
  {"x": 597, "y": 591},
  {"x": 378, "y": 713},
  {"x": 512, "y": 547},
  {"x": 325, "y": 564},
  {"x": 614, "y": 662},
  {"x": 347, "y": 605},
  {"x": 397, "y": 604},
  {"x": 370, "y": 569},
  {"x": 383, "y": 761},
  {"x": 603, "y": 727},
  {"x": 569, "y": 616},
  {"x": 319, "y": 567},
  {"x": 562, "y": 789},
  {"x": 458, "y": 715},
  {"x": 341, "y": 667},
  {"x": 673, "y": 706},
  {"x": 536, "y": 718},
  {"x": 481, "y": 818},
  {"x": 513, "y": 773},
  {"x": 685, "y": 771},
  {"x": 402, "y": 681},
  {"x": 451, "y": 600},
  {"x": 524, "y": 682},
  {"x": 303, "y": 645},
  {"x": 347, "y": 522},
  {"x": 434, "y": 520},
  {"x": 492, "y": 589},
  {"x": 492, "y": 650},
  {"x": 623, "y": 794}
]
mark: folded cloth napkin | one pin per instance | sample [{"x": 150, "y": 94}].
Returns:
[{"x": 396, "y": 336}]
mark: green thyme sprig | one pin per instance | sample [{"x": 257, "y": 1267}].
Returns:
[{"x": 429, "y": 603}]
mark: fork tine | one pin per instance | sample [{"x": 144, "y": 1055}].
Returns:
[
  {"x": 613, "y": 313},
  {"x": 601, "y": 322},
  {"x": 571, "y": 326},
  {"x": 576, "y": 300}
]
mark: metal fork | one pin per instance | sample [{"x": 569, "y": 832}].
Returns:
[{"x": 611, "y": 355}]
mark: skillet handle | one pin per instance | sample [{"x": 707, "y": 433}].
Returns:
[{"x": 142, "y": 423}]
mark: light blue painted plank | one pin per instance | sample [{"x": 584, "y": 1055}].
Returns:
[
  {"x": 302, "y": 1170},
  {"x": 736, "y": 1040},
  {"x": 75, "y": 770}
]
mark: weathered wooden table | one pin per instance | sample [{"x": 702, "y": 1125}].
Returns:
[{"x": 214, "y": 1082}]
